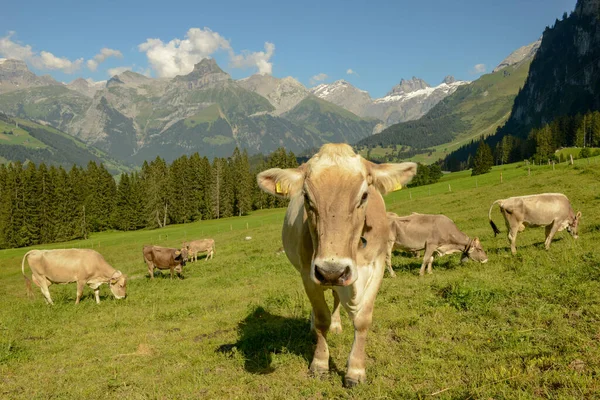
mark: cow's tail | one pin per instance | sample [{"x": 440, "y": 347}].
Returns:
[
  {"x": 494, "y": 227},
  {"x": 27, "y": 280}
]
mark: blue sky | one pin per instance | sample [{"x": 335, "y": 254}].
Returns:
[{"x": 379, "y": 41}]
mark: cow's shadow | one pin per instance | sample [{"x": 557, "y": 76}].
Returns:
[
  {"x": 262, "y": 334},
  {"x": 448, "y": 262},
  {"x": 164, "y": 274}
]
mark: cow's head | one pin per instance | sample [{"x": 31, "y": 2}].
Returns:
[
  {"x": 475, "y": 252},
  {"x": 573, "y": 224},
  {"x": 118, "y": 285},
  {"x": 335, "y": 186},
  {"x": 181, "y": 256}
]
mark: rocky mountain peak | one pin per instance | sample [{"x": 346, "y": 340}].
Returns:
[
  {"x": 14, "y": 75},
  {"x": 408, "y": 86},
  {"x": 587, "y": 7},
  {"x": 522, "y": 53},
  {"x": 207, "y": 66},
  {"x": 11, "y": 65},
  {"x": 449, "y": 79},
  {"x": 206, "y": 73},
  {"x": 87, "y": 87}
]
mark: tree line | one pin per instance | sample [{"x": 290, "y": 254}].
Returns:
[
  {"x": 40, "y": 204},
  {"x": 540, "y": 145}
]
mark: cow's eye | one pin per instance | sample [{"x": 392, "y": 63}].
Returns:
[
  {"x": 364, "y": 198},
  {"x": 307, "y": 201}
]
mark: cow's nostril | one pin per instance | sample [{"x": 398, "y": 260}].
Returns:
[
  {"x": 318, "y": 275},
  {"x": 346, "y": 273}
]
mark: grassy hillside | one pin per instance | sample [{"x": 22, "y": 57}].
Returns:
[
  {"x": 332, "y": 123},
  {"x": 238, "y": 326},
  {"x": 473, "y": 110},
  {"x": 41, "y": 143}
]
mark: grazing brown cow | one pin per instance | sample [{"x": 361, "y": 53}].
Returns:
[
  {"x": 434, "y": 234},
  {"x": 335, "y": 233},
  {"x": 164, "y": 258},
  {"x": 83, "y": 266},
  {"x": 200, "y": 246},
  {"x": 552, "y": 210}
]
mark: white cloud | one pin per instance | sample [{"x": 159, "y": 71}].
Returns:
[
  {"x": 43, "y": 60},
  {"x": 118, "y": 70},
  {"x": 102, "y": 56},
  {"x": 478, "y": 69},
  {"x": 178, "y": 56},
  {"x": 318, "y": 78},
  {"x": 259, "y": 59},
  {"x": 350, "y": 71}
]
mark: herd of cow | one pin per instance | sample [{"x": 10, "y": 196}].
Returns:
[
  {"x": 88, "y": 267},
  {"x": 337, "y": 234}
]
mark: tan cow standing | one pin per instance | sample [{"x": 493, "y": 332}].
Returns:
[
  {"x": 552, "y": 210},
  {"x": 436, "y": 234},
  {"x": 164, "y": 258},
  {"x": 335, "y": 233},
  {"x": 83, "y": 266},
  {"x": 200, "y": 246}
]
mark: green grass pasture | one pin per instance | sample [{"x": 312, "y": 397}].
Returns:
[{"x": 521, "y": 327}]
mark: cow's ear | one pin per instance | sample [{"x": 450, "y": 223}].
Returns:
[
  {"x": 283, "y": 183},
  {"x": 578, "y": 215},
  {"x": 390, "y": 177},
  {"x": 115, "y": 278}
]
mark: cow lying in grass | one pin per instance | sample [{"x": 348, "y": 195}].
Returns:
[
  {"x": 335, "y": 233},
  {"x": 552, "y": 210},
  {"x": 83, "y": 266},
  {"x": 436, "y": 234}
]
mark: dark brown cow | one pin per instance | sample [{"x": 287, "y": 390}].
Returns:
[{"x": 165, "y": 258}]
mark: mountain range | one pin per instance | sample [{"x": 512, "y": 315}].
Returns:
[
  {"x": 409, "y": 100},
  {"x": 133, "y": 117},
  {"x": 468, "y": 112}
]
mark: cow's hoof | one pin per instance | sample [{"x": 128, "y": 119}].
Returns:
[
  {"x": 318, "y": 370},
  {"x": 349, "y": 382},
  {"x": 335, "y": 328}
]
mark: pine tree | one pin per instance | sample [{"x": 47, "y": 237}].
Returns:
[
  {"x": 31, "y": 204},
  {"x": 483, "y": 160},
  {"x": 46, "y": 203}
]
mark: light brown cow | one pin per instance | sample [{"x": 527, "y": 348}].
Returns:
[
  {"x": 552, "y": 210},
  {"x": 83, "y": 266},
  {"x": 164, "y": 258},
  {"x": 200, "y": 246},
  {"x": 335, "y": 233},
  {"x": 436, "y": 234}
]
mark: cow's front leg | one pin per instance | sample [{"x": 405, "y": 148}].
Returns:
[
  {"x": 357, "y": 360},
  {"x": 550, "y": 232},
  {"x": 427, "y": 258},
  {"x": 80, "y": 286},
  {"x": 97, "y": 295},
  {"x": 336, "y": 321},
  {"x": 388, "y": 260},
  {"x": 512, "y": 238},
  {"x": 321, "y": 322}
]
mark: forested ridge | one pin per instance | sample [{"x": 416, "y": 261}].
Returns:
[{"x": 40, "y": 204}]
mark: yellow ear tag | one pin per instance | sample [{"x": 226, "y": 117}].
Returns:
[
  {"x": 397, "y": 187},
  {"x": 278, "y": 188}
]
